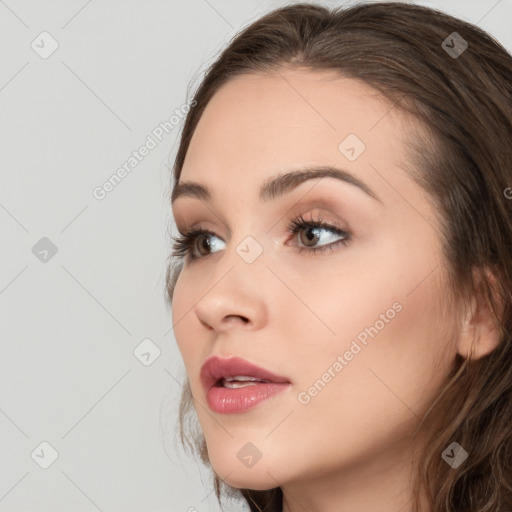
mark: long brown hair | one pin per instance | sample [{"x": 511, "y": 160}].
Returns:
[{"x": 464, "y": 102}]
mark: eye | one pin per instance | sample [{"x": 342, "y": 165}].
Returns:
[
  {"x": 193, "y": 239},
  {"x": 196, "y": 244},
  {"x": 312, "y": 230}
]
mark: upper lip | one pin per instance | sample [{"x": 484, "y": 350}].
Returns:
[{"x": 216, "y": 368}]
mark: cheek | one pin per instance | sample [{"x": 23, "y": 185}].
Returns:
[
  {"x": 394, "y": 359},
  {"x": 378, "y": 397},
  {"x": 384, "y": 320},
  {"x": 185, "y": 329}
]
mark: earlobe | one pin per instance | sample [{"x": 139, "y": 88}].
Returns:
[{"x": 479, "y": 334}]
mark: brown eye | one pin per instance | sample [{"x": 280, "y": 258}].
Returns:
[
  {"x": 202, "y": 242},
  {"x": 311, "y": 237},
  {"x": 186, "y": 245}
]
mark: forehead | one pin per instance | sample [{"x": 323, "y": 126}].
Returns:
[{"x": 256, "y": 126}]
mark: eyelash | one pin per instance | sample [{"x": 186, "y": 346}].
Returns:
[{"x": 184, "y": 243}]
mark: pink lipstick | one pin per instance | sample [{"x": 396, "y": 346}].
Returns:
[{"x": 235, "y": 385}]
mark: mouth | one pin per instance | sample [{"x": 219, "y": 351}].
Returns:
[
  {"x": 234, "y": 373},
  {"x": 235, "y": 385},
  {"x": 240, "y": 381}
]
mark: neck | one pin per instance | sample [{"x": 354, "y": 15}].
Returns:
[{"x": 382, "y": 484}]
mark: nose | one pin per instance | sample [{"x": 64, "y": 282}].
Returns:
[
  {"x": 236, "y": 296},
  {"x": 221, "y": 323}
]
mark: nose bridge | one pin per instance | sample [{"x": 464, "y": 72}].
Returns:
[
  {"x": 248, "y": 241},
  {"x": 243, "y": 261},
  {"x": 237, "y": 286}
]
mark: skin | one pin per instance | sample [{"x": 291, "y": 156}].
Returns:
[{"x": 350, "y": 448}]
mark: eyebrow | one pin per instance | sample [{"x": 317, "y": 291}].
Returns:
[{"x": 279, "y": 185}]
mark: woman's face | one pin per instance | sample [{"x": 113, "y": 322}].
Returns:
[{"x": 358, "y": 330}]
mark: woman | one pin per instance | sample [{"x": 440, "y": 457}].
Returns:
[{"x": 341, "y": 285}]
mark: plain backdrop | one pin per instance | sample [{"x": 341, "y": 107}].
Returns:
[{"x": 90, "y": 374}]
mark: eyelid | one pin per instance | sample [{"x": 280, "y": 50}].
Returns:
[
  {"x": 318, "y": 201},
  {"x": 185, "y": 220},
  {"x": 310, "y": 214},
  {"x": 198, "y": 226},
  {"x": 184, "y": 245}
]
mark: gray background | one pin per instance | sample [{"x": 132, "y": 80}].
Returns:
[{"x": 70, "y": 321}]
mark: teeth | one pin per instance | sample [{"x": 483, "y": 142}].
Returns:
[
  {"x": 240, "y": 381},
  {"x": 234, "y": 385},
  {"x": 243, "y": 378}
]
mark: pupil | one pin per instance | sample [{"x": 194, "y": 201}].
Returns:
[
  {"x": 204, "y": 244},
  {"x": 310, "y": 234}
]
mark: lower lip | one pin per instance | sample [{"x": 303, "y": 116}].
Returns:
[{"x": 236, "y": 400}]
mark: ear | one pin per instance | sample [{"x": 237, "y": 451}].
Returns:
[{"x": 479, "y": 334}]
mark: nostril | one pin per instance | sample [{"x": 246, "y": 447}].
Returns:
[
  {"x": 208, "y": 326},
  {"x": 231, "y": 318}
]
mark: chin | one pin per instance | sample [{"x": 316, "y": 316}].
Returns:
[
  {"x": 234, "y": 473},
  {"x": 244, "y": 479}
]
